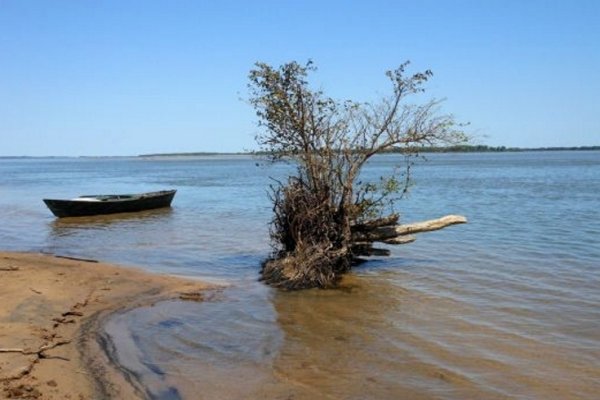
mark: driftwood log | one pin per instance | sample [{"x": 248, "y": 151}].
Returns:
[{"x": 387, "y": 230}]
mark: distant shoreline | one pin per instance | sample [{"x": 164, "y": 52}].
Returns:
[
  {"x": 451, "y": 149},
  {"x": 501, "y": 149}
]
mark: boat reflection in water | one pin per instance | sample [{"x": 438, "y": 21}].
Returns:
[
  {"x": 105, "y": 220},
  {"x": 81, "y": 236}
]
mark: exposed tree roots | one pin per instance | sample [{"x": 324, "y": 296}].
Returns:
[{"x": 322, "y": 264}]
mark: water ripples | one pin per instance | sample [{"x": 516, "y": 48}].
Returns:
[{"x": 506, "y": 306}]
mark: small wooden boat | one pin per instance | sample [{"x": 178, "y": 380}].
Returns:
[{"x": 110, "y": 204}]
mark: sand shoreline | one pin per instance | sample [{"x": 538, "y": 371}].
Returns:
[{"x": 51, "y": 314}]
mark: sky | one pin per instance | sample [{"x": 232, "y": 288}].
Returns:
[{"x": 125, "y": 77}]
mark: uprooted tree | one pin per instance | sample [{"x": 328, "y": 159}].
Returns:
[{"x": 325, "y": 216}]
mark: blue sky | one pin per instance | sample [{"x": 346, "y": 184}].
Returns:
[{"x": 131, "y": 77}]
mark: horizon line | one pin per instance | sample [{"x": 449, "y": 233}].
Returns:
[{"x": 432, "y": 149}]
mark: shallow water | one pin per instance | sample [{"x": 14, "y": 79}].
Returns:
[{"x": 506, "y": 306}]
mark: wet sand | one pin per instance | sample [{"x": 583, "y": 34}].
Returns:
[{"x": 50, "y": 314}]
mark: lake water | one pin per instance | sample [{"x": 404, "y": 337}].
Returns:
[{"x": 506, "y": 306}]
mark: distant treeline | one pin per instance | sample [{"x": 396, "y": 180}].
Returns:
[
  {"x": 451, "y": 149},
  {"x": 493, "y": 149},
  {"x": 194, "y": 154}
]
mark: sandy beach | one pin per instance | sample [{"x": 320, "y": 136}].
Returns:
[{"x": 50, "y": 313}]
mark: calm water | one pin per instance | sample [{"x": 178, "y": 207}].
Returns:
[{"x": 507, "y": 306}]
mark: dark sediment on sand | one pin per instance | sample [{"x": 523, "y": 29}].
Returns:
[{"x": 53, "y": 308}]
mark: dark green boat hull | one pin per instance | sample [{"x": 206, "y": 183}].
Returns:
[{"x": 110, "y": 204}]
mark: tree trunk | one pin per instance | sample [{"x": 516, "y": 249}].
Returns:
[{"x": 379, "y": 231}]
